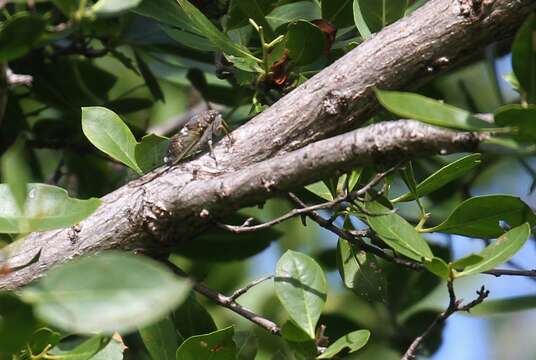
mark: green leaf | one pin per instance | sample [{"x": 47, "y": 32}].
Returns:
[
  {"x": 396, "y": 232},
  {"x": 113, "y": 351},
  {"x": 43, "y": 338},
  {"x": 218, "y": 345},
  {"x": 360, "y": 22},
  {"x": 523, "y": 119},
  {"x": 380, "y": 13},
  {"x": 504, "y": 306},
  {"x": 84, "y": 351},
  {"x": 524, "y": 57},
  {"x": 164, "y": 11},
  {"x": 298, "y": 340},
  {"x": 191, "y": 318},
  {"x": 148, "y": 76},
  {"x": 246, "y": 345},
  {"x": 338, "y": 12},
  {"x": 301, "y": 286},
  {"x": 113, "y": 7},
  {"x": 352, "y": 341},
  {"x": 479, "y": 216},
  {"x": 16, "y": 172},
  {"x": 106, "y": 293},
  {"x": 216, "y": 37},
  {"x": 465, "y": 261},
  {"x": 110, "y": 134},
  {"x": 443, "y": 176},
  {"x": 18, "y": 34},
  {"x": 17, "y": 322},
  {"x": 361, "y": 272},
  {"x": 430, "y": 111},
  {"x": 301, "y": 10},
  {"x": 321, "y": 190},
  {"x": 500, "y": 251},
  {"x": 47, "y": 207},
  {"x": 160, "y": 339},
  {"x": 188, "y": 39},
  {"x": 150, "y": 151},
  {"x": 305, "y": 42},
  {"x": 439, "y": 267}
]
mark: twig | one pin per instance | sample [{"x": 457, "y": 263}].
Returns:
[
  {"x": 246, "y": 288},
  {"x": 454, "y": 306},
  {"x": 307, "y": 209},
  {"x": 229, "y": 302}
]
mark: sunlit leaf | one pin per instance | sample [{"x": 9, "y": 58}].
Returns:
[
  {"x": 500, "y": 251},
  {"x": 113, "y": 7},
  {"x": 301, "y": 286},
  {"x": 352, "y": 341},
  {"x": 47, "y": 207},
  {"x": 400, "y": 235},
  {"x": 218, "y": 345},
  {"x": 110, "y": 134},
  {"x": 480, "y": 216},
  {"x": 430, "y": 111},
  {"x": 524, "y": 57},
  {"x": 16, "y": 172},
  {"x": 443, "y": 176}
]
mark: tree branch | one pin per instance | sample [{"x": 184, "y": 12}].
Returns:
[
  {"x": 169, "y": 208},
  {"x": 229, "y": 302},
  {"x": 454, "y": 306}
]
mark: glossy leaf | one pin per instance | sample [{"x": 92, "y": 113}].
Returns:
[
  {"x": 522, "y": 118},
  {"x": 301, "y": 10},
  {"x": 480, "y": 216},
  {"x": 524, "y": 58},
  {"x": 218, "y": 345},
  {"x": 17, "y": 322},
  {"x": 380, "y": 13},
  {"x": 16, "y": 172},
  {"x": 338, "y": 12},
  {"x": 505, "y": 306},
  {"x": 443, "y": 176},
  {"x": 305, "y": 42},
  {"x": 361, "y": 272},
  {"x": 352, "y": 341},
  {"x": 113, "y": 7},
  {"x": 160, "y": 339},
  {"x": 18, "y": 34},
  {"x": 430, "y": 111},
  {"x": 301, "y": 286},
  {"x": 396, "y": 232},
  {"x": 106, "y": 293},
  {"x": 216, "y": 37},
  {"x": 47, "y": 207},
  {"x": 191, "y": 318},
  {"x": 110, "y": 134},
  {"x": 500, "y": 251},
  {"x": 150, "y": 152}
]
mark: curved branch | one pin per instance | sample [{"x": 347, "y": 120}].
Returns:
[{"x": 175, "y": 206}]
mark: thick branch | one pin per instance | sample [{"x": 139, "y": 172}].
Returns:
[
  {"x": 339, "y": 98},
  {"x": 167, "y": 210}
]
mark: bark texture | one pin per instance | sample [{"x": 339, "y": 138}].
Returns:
[{"x": 261, "y": 159}]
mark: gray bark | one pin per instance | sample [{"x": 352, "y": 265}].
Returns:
[{"x": 260, "y": 161}]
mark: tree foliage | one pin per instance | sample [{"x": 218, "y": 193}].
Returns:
[{"x": 103, "y": 75}]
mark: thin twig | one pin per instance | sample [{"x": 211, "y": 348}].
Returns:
[
  {"x": 246, "y": 288},
  {"x": 454, "y": 306},
  {"x": 227, "y": 301},
  {"x": 307, "y": 209}
]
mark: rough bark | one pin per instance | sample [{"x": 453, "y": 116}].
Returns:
[{"x": 167, "y": 209}]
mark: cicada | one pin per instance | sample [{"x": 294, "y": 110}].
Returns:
[{"x": 198, "y": 133}]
